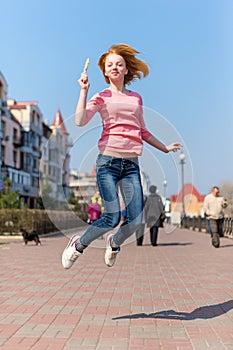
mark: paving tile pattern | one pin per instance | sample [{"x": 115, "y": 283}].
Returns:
[{"x": 178, "y": 295}]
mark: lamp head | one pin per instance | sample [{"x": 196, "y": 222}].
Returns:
[{"x": 182, "y": 156}]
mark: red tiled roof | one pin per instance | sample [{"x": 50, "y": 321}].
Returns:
[
  {"x": 22, "y": 104},
  {"x": 188, "y": 189},
  {"x": 59, "y": 123}
]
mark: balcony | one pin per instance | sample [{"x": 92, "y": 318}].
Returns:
[
  {"x": 17, "y": 142},
  {"x": 25, "y": 190},
  {"x": 27, "y": 168}
]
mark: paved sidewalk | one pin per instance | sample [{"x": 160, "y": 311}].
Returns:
[{"x": 178, "y": 295}]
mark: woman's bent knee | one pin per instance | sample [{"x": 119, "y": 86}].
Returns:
[{"x": 112, "y": 220}]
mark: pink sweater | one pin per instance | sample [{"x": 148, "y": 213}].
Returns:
[{"x": 122, "y": 119}]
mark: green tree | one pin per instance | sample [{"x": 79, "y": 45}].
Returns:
[
  {"x": 74, "y": 202},
  {"x": 9, "y": 199}
]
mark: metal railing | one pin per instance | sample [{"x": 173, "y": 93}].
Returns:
[{"x": 199, "y": 223}]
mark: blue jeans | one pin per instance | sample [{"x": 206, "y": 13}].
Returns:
[{"x": 115, "y": 174}]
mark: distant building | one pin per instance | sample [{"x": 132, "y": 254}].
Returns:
[
  {"x": 84, "y": 185},
  {"x": 29, "y": 116},
  {"x": 193, "y": 201},
  {"x": 25, "y": 142},
  {"x": 44, "y": 161},
  {"x": 55, "y": 161},
  {"x": 20, "y": 146}
]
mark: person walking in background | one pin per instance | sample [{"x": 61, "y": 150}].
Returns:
[
  {"x": 123, "y": 214},
  {"x": 214, "y": 211},
  {"x": 154, "y": 209},
  {"x": 96, "y": 198},
  {"x": 94, "y": 211},
  {"x": 117, "y": 165}
]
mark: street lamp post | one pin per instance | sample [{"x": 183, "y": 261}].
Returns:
[
  {"x": 182, "y": 162},
  {"x": 164, "y": 190}
]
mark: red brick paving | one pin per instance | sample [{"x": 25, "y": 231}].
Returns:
[{"x": 178, "y": 295}]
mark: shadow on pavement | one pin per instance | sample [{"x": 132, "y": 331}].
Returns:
[
  {"x": 203, "y": 312},
  {"x": 226, "y": 246},
  {"x": 174, "y": 243},
  {"x": 170, "y": 244}
]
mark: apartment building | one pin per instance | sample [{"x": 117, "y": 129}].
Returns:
[
  {"x": 29, "y": 116},
  {"x": 55, "y": 161},
  {"x": 10, "y": 144},
  {"x": 24, "y": 141}
]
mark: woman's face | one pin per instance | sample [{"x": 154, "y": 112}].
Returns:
[{"x": 115, "y": 67}]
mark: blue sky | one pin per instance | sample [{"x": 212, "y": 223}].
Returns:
[{"x": 188, "y": 46}]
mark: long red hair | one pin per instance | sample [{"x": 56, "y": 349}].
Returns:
[{"x": 136, "y": 68}]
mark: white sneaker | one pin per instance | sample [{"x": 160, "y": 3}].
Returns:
[
  {"x": 110, "y": 255},
  {"x": 70, "y": 254}
]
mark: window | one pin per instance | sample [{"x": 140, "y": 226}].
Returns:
[
  {"x": 15, "y": 158},
  {"x": 35, "y": 182},
  {"x": 2, "y": 94},
  {"x": 14, "y": 178},
  {"x": 27, "y": 139},
  {"x": 15, "y": 134},
  {"x": 3, "y": 129},
  {"x": 3, "y": 153},
  {"x": 28, "y": 163},
  {"x": 33, "y": 117},
  {"x": 35, "y": 162}
]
